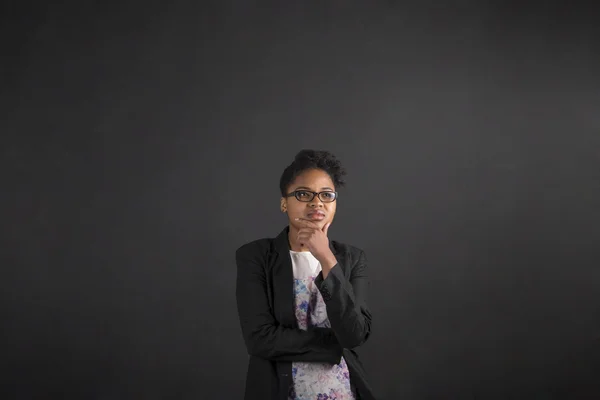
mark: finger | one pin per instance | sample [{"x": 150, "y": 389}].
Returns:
[
  {"x": 308, "y": 223},
  {"x": 304, "y": 238},
  {"x": 308, "y": 231}
]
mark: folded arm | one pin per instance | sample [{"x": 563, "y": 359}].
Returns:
[
  {"x": 345, "y": 299},
  {"x": 263, "y": 335}
]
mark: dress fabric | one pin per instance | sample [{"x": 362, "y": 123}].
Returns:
[{"x": 310, "y": 380}]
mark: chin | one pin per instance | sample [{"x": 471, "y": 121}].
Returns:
[{"x": 321, "y": 224}]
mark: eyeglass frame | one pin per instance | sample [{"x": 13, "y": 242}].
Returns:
[{"x": 314, "y": 194}]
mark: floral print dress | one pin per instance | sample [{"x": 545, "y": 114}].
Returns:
[{"x": 311, "y": 380}]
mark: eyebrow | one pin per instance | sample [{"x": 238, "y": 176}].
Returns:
[{"x": 307, "y": 188}]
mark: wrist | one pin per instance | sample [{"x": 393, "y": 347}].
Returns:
[{"x": 328, "y": 262}]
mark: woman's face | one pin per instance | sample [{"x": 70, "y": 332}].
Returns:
[{"x": 321, "y": 212}]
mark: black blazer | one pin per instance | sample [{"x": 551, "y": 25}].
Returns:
[{"x": 265, "y": 301}]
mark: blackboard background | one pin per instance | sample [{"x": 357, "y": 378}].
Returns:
[{"x": 133, "y": 134}]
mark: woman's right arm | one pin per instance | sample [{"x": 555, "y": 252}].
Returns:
[{"x": 263, "y": 335}]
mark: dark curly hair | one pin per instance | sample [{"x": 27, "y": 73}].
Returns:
[{"x": 313, "y": 159}]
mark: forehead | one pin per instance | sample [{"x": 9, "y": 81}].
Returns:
[{"x": 314, "y": 179}]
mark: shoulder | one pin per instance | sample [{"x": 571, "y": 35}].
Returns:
[
  {"x": 348, "y": 250},
  {"x": 254, "y": 248}
]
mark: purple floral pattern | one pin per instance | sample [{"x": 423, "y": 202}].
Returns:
[{"x": 316, "y": 381}]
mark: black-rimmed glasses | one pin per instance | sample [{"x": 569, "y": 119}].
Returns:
[{"x": 307, "y": 196}]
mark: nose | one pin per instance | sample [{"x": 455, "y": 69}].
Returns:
[{"x": 316, "y": 202}]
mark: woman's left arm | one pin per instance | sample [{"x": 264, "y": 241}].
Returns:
[{"x": 345, "y": 298}]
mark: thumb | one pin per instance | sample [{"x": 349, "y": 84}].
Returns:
[{"x": 326, "y": 228}]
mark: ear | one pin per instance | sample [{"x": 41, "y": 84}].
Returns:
[{"x": 283, "y": 204}]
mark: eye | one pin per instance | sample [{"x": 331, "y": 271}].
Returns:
[
  {"x": 302, "y": 193},
  {"x": 328, "y": 195}
]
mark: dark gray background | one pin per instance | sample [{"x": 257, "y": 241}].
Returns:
[{"x": 142, "y": 143}]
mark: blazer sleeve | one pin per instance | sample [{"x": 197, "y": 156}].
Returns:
[
  {"x": 345, "y": 299},
  {"x": 264, "y": 337}
]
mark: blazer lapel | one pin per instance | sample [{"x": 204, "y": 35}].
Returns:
[{"x": 283, "y": 280}]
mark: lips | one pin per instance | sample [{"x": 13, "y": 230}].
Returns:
[{"x": 316, "y": 215}]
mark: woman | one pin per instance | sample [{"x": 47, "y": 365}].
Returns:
[{"x": 301, "y": 297}]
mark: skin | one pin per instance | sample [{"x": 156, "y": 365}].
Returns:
[{"x": 305, "y": 233}]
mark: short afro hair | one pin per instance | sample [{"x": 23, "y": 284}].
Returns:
[{"x": 313, "y": 159}]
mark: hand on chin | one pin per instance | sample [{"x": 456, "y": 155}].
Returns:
[{"x": 317, "y": 222}]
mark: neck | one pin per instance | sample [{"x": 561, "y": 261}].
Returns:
[{"x": 293, "y": 239}]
